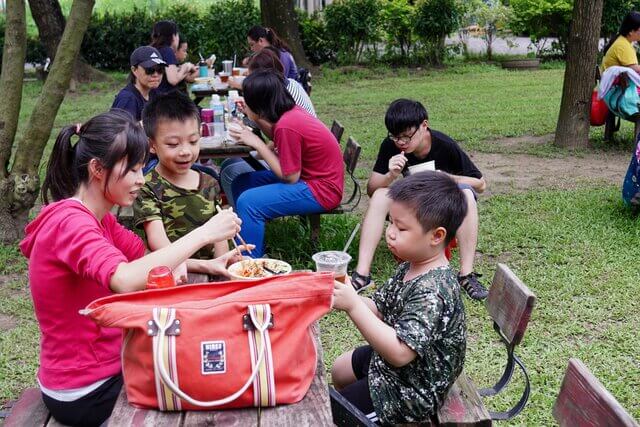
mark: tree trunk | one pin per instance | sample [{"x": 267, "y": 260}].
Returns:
[
  {"x": 19, "y": 190},
  {"x": 281, "y": 16},
  {"x": 15, "y": 47},
  {"x": 50, "y": 21},
  {"x": 572, "y": 130}
]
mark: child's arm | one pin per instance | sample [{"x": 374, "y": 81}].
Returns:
[
  {"x": 381, "y": 336},
  {"x": 372, "y": 306}
]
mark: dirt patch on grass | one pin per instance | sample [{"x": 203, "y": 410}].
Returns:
[
  {"x": 511, "y": 173},
  {"x": 7, "y": 322}
]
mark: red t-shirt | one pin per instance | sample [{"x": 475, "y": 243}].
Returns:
[{"x": 304, "y": 144}]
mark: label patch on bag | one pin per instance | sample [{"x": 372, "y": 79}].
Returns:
[{"x": 213, "y": 357}]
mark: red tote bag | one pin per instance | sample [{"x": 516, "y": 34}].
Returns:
[{"x": 214, "y": 346}]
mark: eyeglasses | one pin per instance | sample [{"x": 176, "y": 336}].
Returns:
[
  {"x": 152, "y": 70},
  {"x": 405, "y": 139}
]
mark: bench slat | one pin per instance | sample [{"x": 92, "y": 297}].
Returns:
[
  {"x": 463, "y": 407},
  {"x": 314, "y": 409},
  {"x": 227, "y": 417},
  {"x": 126, "y": 415},
  {"x": 510, "y": 303},
  {"x": 583, "y": 400},
  {"x": 28, "y": 410}
]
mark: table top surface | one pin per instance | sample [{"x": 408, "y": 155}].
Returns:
[{"x": 210, "y": 148}]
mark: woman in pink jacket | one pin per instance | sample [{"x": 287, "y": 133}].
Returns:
[{"x": 78, "y": 252}]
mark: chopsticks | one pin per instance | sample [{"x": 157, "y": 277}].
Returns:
[{"x": 239, "y": 236}]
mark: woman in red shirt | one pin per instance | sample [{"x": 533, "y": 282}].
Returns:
[{"x": 307, "y": 174}]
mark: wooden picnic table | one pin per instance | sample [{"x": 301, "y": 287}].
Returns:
[
  {"x": 210, "y": 149},
  {"x": 199, "y": 95},
  {"x": 313, "y": 410}
]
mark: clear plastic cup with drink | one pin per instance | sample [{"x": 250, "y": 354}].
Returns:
[
  {"x": 160, "y": 277},
  {"x": 334, "y": 261}
]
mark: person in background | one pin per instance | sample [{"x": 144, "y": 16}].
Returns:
[
  {"x": 164, "y": 37},
  {"x": 181, "y": 56},
  {"x": 260, "y": 37},
  {"x": 620, "y": 51},
  {"x": 78, "y": 252},
  {"x": 267, "y": 60},
  {"x": 307, "y": 173},
  {"x": 145, "y": 75},
  {"x": 410, "y": 141}
]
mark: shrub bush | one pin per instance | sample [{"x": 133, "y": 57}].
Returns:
[
  {"x": 222, "y": 30},
  {"x": 353, "y": 24},
  {"x": 397, "y": 21},
  {"x": 316, "y": 41},
  {"x": 434, "y": 21},
  {"x": 542, "y": 18}
]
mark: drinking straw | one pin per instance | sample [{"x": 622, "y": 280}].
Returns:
[
  {"x": 201, "y": 58},
  {"x": 353, "y": 234},
  {"x": 234, "y": 60}
]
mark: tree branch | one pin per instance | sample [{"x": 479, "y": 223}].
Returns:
[
  {"x": 31, "y": 147},
  {"x": 14, "y": 53}
]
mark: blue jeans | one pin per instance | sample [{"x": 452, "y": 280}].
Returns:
[{"x": 261, "y": 196}]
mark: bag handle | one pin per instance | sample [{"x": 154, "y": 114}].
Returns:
[{"x": 158, "y": 350}]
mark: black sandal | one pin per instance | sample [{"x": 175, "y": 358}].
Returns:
[{"x": 360, "y": 282}]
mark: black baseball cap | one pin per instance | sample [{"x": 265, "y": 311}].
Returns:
[{"x": 147, "y": 57}]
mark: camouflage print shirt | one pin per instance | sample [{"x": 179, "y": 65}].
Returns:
[
  {"x": 428, "y": 315},
  {"x": 180, "y": 210}
]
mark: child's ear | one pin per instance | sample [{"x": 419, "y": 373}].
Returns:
[
  {"x": 438, "y": 236},
  {"x": 152, "y": 146}
]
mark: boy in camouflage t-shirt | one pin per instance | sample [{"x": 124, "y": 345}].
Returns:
[
  {"x": 175, "y": 198},
  {"x": 415, "y": 323}
]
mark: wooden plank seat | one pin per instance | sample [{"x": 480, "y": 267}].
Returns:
[
  {"x": 350, "y": 156},
  {"x": 584, "y": 401},
  {"x": 313, "y": 410},
  {"x": 337, "y": 130},
  {"x": 509, "y": 304}
]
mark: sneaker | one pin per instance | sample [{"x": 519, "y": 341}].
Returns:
[
  {"x": 360, "y": 282},
  {"x": 472, "y": 285}
]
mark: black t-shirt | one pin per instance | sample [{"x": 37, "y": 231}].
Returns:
[
  {"x": 132, "y": 101},
  {"x": 445, "y": 152}
]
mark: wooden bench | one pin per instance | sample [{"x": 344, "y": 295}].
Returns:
[
  {"x": 313, "y": 410},
  {"x": 350, "y": 157},
  {"x": 509, "y": 304},
  {"x": 337, "y": 130},
  {"x": 583, "y": 401}
]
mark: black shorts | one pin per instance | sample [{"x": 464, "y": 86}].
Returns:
[
  {"x": 358, "y": 392},
  {"x": 90, "y": 410}
]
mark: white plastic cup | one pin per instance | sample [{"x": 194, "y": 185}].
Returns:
[{"x": 334, "y": 261}]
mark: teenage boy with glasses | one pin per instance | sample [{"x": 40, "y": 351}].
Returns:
[
  {"x": 409, "y": 142},
  {"x": 147, "y": 69}
]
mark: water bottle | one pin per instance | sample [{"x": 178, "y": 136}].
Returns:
[
  {"x": 231, "y": 101},
  {"x": 218, "y": 109}
]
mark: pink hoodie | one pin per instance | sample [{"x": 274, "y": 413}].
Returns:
[{"x": 72, "y": 257}]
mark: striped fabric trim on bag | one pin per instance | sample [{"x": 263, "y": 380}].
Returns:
[
  {"x": 264, "y": 386},
  {"x": 167, "y": 401}
]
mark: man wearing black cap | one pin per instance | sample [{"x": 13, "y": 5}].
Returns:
[{"x": 147, "y": 69}]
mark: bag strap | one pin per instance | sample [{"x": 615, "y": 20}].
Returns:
[{"x": 158, "y": 351}]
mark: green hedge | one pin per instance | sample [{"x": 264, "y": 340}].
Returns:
[{"x": 222, "y": 30}]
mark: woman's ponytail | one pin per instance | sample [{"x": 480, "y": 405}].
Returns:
[
  {"x": 61, "y": 181},
  {"x": 276, "y": 41}
]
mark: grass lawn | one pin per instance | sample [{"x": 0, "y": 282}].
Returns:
[{"x": 575, "y": 249}]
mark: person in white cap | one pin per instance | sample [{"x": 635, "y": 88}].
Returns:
[{"x": 147, "y": 69}]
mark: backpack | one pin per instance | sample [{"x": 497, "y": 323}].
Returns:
[
  {"x": 623, "y": 99},
  {"x": 304, "y": 78},
  {"x": 631, "y": 183}
]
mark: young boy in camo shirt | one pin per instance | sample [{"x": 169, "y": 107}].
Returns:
[
  {"x": 175, "y": 198},
  {"x": 415, "y": 323}
]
